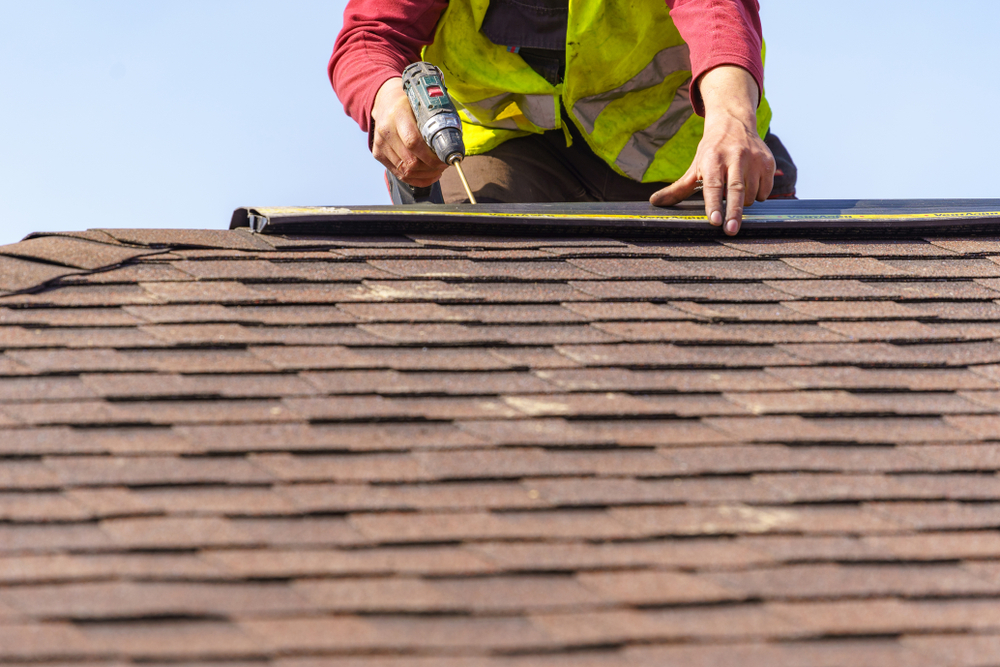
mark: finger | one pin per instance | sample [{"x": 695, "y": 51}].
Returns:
[
  {"x": 677, "y": 191},
  {"x": 420, "y": 177},
  {"x": 384, "y": 154},
  {"x": 752, "y": 183},
  {"x": 423, "y": 180},
  {"x": 735, "y": 193},
  {"x": 411, "y": 143},
  {"x": 767, "y": 176},
  {"x": 766, "y": 185},
  {"x": 714, "y": 190}
]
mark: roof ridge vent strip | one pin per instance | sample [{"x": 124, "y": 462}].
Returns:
[{"x": 866, "y": 218}]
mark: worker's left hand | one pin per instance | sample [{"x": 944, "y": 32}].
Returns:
[{"x": 732, "y": 161}]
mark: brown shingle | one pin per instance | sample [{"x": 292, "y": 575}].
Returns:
[
  {"x": 324, "y": 437},
  {"x": 172, "y": 639},
  {"x": 626, "y": 311},
  {"x": 844, "y": 267},
  {"x": 145, "y": 272},
  {"x": 790, "y": 247},
  {"x": 856, "y": 310},
  {"x": 402, "y": 312},
  {"x": 72, "y": 252},
  {"x": 583, "y": 556},
  {"x": 843, "y": 651},
  {"x": 700, "y": 291},
  {"x": 690, "y": 332},
  {"x": 619, "y": 379},
  {"x": 347, "y": 633},
  {"x": 425, "y": 359},
  {"x": 832, "y": 429},
  {"x": 941, "y": 354},
  {"x": 203, "y": 292},
  {"x": 153, "y": 470},
  {"x": 149, "y": 385},
  {"x": 221, "y": 334},
  {"x": 72, "y": 317},
  {"x": 746, "y": 519},
  {"x": 44, "y": 388},
  {"x": 39, "y": 507},
  {"x": 427, "y": 526},
  {"x": 634, "y": 248},
  {"x": 620, "y": 404},
  {"x": 827, "y": 289},
  {"x": 841, "y": 402},
  {"x": 461, "y": 268},
  {"x": 12, "y": 337},
  {"x": 84, "y": 296},
  {"x": 743, "y": 312},
  {"x": 395, "y": 382},
  {"x": 947, "y": 268},
  {"x": 657, "y": 268},
  {"x": 53, "y": 568},
  {"x": 652, "y": 587},
  {"x": 347, "y": 468},
  {"x": 286, "y": 563},
  {"x": 267, "y": 271},
  {"x": 41, "y": 641},
  {"x": 138, "y": 600},
  {"x": 639, "y": 355},
  {"x": 454, "y": 595},
  {"x": 21, "y": 274},
  {"x": 348, "y": 497},
  {"x": 368, "y": 407},
  {"x": 711, "y": 622},
  {"x": 850, "y": 377},
  {"x": 192, "y": 238}
]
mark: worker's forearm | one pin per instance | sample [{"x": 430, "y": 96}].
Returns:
[
  {"x": 719, "y": 32},
  {"x": 379, "y": 38},
  {"x": 732, "y": 91}
]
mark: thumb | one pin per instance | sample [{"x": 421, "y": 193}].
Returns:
[{"x": 677, "y": 191}]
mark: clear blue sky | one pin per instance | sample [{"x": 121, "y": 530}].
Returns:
[{"x": 170, "y": 114}]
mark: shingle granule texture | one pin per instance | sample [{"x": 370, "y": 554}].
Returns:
[{"x": 225, "y": 449}]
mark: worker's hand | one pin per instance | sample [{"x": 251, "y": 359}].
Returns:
[
  {"x": 732, "y": 161},
  {"x": 397, "y": 142}
]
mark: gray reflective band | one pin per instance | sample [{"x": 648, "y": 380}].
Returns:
[
  {"x": 635, "y": 158},
  {"x": 539, "y": 109},
  {"x": 666, "y": 62}
]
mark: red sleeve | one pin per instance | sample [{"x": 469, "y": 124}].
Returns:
[
  {"x": 719, "y": 32},
  {"x": 379, "y": 39}
]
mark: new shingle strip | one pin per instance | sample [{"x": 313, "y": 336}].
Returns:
[{"x": 885, "y": 217}]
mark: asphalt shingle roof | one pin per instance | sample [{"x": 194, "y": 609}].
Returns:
[{"x": 221, "y": 448}]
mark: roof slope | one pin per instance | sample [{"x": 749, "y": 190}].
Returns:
[{"x": 221, "y": 448}]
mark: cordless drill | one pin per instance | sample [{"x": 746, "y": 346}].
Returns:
[{"x": 436, "y": 115}]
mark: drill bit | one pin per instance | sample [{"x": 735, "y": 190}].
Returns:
[{"x": 456, "y": 160}]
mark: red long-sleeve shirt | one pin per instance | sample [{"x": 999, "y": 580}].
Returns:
[{"x": 381, "y": 37}]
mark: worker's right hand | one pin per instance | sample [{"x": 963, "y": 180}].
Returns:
[{"x": 397, "y": 142}]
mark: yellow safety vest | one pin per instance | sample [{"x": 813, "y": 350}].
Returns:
[{"x": 626, "y": 86}]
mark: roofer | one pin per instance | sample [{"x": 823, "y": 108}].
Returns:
[{"x": 616, "y": 100}]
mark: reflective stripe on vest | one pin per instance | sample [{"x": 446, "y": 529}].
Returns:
[
  {"x": 501, "y": 111},
  {"x": 640, "y": 151},
  {"x": 663, "y": 64}
]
